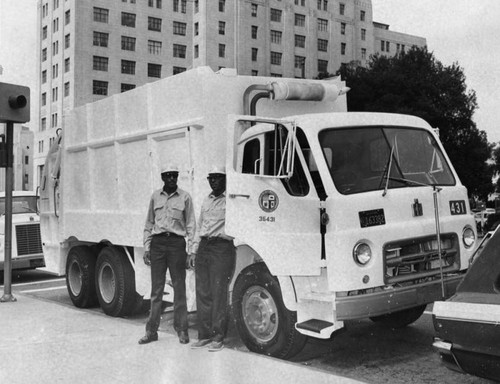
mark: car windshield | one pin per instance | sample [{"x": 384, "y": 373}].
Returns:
[
  {"x": 20, "y": 204},
  {"x": 380, "y": 158}
]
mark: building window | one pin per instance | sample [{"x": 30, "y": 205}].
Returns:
[
  {"x": 182, "y": 6},
  {"x": 55, "y": 25},
  {"x": 254, "y": 31},
  {"x": 179, "y": 28},
  {"x": 44, "y": 33},
  {"x": 154, "y": 24},
  {"x": 67, "y": 41},
  {"x": 322, "y": 66},
  {"x": 53, "y": 120},
  {"x": 196, "y": 51},
  {"x": 382, "y": 45},
  {"x": 300, "y": 20},
  {"x": 254, "y": 54},
  {"x": 325, "y": 5},
  {"x": 276, "y": 15},
  {"x": 362, "y": 15},
  {"x": 100, "y": 87},
  {"x": 196, "y": 6},
  {"x": 101, "y": 39},
  {"x": 342, "y": 48},
  {"x": 342, "y": 28},
  {"x": 154, "y": 70},
  {"x": 342, "y": 8},
  {"x": 128, "y": 19},
  {"x": 128, "y": 67},
  {"x": 276, "y": 37},
  {"x": 126, "y": 87},
  {"x": 300, "y": 41},
  {"x": 255, "y": 72},
  {"x": 196, "y": 29},
  {"x": 44, "y": 99},
  {"x": 177, "y": 70},
  {"x": 55, "y": 71},
  {"x": 44, "y": 76},
  {"x": 66, "y": 89},
  {"x": 158, "y": 4},
  {"x": 254, "y": 10},
  {"x": 128, "y": 43},
  {"x": 55, "y": 48},
  {"x": 322, "y": 25},
  {"x": 387, "y": 46},
  {"x": 300, "y": 62},
  {"x": 222, "y": 28},
  {"x": 55, "y": 94},
  {"x": 67, "y": 17},
  {"x": 363, "y": 34},
  {"x": 151, "y": 3},
  {"x": 322, "y": 45},
  {"x": 100, "y": 63},
  {"x": 101, "y": 15},
  {"x": 43, "y": 128},
  {"x": 276, "y": 74},
  {"x": 180, "y": 51},
  {"x": 222, "y": 5},
  {"x": 44, "y": 54},
  {"x": 276, "y": 58},
  {"x": 154, "y": 47},
  {"x": 222, "y": 50},
  {"x": 363, "y": 53}
]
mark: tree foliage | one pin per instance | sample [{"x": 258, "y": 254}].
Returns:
[{"x": 415, "y": 83}]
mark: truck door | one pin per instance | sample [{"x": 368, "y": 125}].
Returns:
[{"x": 277, "y": 215}]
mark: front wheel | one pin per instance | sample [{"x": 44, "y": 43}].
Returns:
[
  {"x": 400, "y": 319},
  {"x": 263, "y": 322},
  {"x": 115, "y": 282}
]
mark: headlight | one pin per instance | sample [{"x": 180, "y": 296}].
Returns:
[
  {"x": 362, "y": 253},
  {"x": 468, "y": 237}
]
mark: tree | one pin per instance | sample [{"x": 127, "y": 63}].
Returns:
[{"x": 415, "y": 83}]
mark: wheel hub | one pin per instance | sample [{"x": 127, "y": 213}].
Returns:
[
  {"x": 75, "y": 278},
  {"x": 260, "y": 313},
  {"x": 107, "y": 283}
]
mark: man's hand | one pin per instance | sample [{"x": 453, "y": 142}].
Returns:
[
  {"x": 190, "y": 261},
  {"x": 147, "y": 258}
]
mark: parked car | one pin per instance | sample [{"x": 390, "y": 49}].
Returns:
[{"x": 467, "y": 324}]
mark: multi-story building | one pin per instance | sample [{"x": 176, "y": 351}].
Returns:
[{"x": 90, "y": 49}]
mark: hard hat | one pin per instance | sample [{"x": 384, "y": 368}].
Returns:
[
  {"x": 217, "y": 169},
  {"x": 169, "y": 168}
]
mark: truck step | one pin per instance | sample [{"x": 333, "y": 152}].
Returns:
[{"x": 314, "y": 325}]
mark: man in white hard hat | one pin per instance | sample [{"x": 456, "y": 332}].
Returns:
[
  {"x": 215, "y": 254},
  {"x": 170, "y": 221}
]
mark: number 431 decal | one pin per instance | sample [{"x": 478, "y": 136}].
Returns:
[{"x": 457, "y": 207}]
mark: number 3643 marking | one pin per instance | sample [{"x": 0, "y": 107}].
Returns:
[{"x": 270, "y": 219}]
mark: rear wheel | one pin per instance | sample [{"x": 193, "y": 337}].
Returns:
[
  {"x": 80, "y": 277},
  {"x": 400, "y": 319},
  {"x": 115, "y": 282},
  {"x": 263, "y": 322}
]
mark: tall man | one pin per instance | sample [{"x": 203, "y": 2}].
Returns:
[
  {"x": 170, "y": 219},
  {"x": 215, "y": 262}
]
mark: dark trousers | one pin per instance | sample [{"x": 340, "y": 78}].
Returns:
[
  {"x": 214, "y": 267},
  {"x": 168, "y": 252}
]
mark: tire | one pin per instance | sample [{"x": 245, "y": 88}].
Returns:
[
  {"x": 400, "y": 319},
  {"x": 263, "y": 322},
  {"x": 80, "y": 277},
  {"x": 115, "y": 282}
]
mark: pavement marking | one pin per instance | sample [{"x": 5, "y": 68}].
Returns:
[
  {"x": 44, "y": 289},
  {"x": 38, "y": 282}
]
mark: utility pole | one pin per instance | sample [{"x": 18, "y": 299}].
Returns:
[{"x": 14, "y": 108}]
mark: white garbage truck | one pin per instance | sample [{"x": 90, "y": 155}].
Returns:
[{"x": 336, "y": 215}]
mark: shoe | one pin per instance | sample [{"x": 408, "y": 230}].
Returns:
[
  {"x": 215, "y": 346},
  {"x": 201, "y": 343},
  {"x": 148, "y": 338},
  {"x": 183, "y": 337}
]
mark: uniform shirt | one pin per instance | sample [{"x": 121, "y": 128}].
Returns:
[
  {"x": 212, "y": 219},
  {"x": 172, "y": 213}
]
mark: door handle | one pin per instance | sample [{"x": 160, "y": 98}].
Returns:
[{"x": 233, "y": 195}]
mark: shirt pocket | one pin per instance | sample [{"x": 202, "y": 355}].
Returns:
[{"x": 176, "y": 211}]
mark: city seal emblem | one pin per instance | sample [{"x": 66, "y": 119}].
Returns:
[{"x": 268, "y": 201}]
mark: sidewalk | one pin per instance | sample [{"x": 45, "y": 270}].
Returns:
[{"x": 44, "y": 342}]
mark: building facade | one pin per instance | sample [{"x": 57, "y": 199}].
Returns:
[{"x": 91, "y": 49}]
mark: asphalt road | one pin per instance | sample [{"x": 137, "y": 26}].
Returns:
[{"x": 365, "y": 351}]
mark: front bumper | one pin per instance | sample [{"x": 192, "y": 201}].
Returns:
[
  {"x": 394, "y": 299},
  {"x": 31, "y": 262}
]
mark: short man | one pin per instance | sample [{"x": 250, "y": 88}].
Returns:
[
  {"x": 215, "y": 261},
  {"x": 169, "y": 220}
]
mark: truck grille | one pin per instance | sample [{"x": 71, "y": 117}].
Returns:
[
  {"x": 28, "y": 239},
  {"x": 407, "y": 260}
]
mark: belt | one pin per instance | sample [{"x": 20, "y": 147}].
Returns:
[
  {"x": 216, "y": 238},
  {"x": 168, "y": 234}
]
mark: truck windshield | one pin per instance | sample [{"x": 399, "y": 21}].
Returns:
[
  {"x": 379, "y": 158},
  {"x": 20, "y": 204}
]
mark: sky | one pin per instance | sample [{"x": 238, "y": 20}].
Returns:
[
  {"x": 466, "y": 32},
  {"x": 463, "y": 31}
]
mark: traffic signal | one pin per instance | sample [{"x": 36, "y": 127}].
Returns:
[{"x": 14, "y": 103}]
